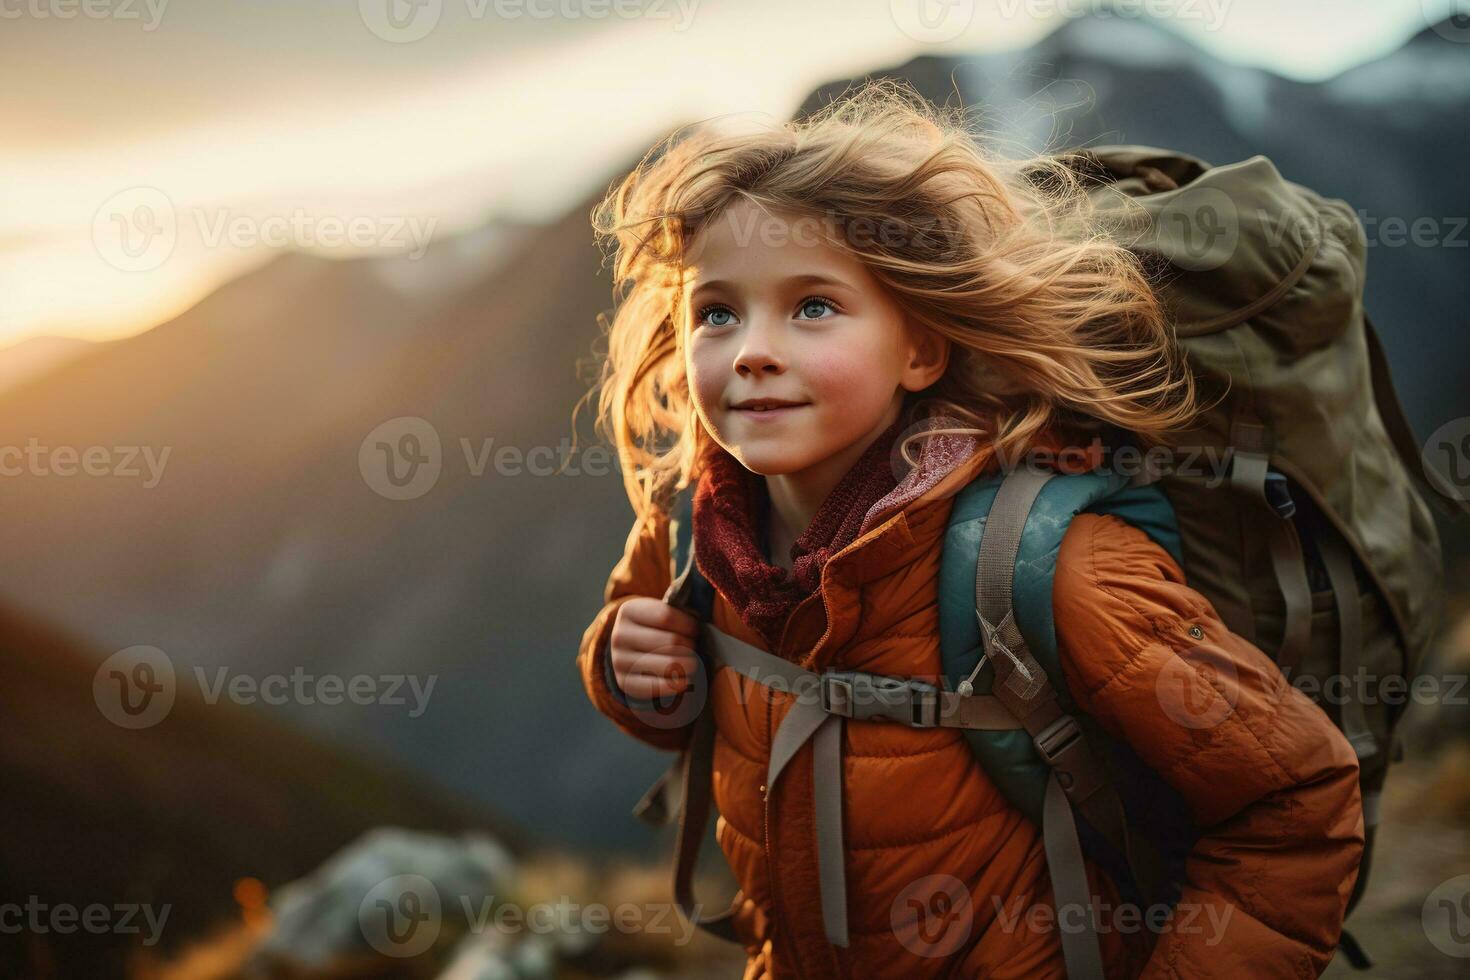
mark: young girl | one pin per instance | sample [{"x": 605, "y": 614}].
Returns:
[{"x": 828, "y": 328}]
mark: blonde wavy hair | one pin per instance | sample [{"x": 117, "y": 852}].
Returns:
[{"x": 1053, "y": 323}]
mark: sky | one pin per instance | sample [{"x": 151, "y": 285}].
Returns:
[{"x": 157, "y": 148}]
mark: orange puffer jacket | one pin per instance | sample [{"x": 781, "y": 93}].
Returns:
[{"x": 1270, "y": 781}]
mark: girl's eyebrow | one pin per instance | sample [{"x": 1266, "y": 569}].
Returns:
[{"x": 805, "y": 279}]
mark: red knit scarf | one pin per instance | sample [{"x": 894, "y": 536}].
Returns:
[{"x": 732, "y": 520}]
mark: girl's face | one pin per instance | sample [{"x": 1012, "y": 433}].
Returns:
[{"x": 774, "y": 312}]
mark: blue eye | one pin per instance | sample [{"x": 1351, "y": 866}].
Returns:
[
  {"x": 818, "y": 303},
  {"x": 707, "y": 314}
]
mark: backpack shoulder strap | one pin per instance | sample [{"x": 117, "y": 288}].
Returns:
[
  {"x": 1022, "y": 686},
  {"x": 997, "y": 636},
  {"x": 689, "y": 589},
  {"x": 683, "y": 792}
]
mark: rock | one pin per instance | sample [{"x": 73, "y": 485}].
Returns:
[{"x": 394, "y": 892}]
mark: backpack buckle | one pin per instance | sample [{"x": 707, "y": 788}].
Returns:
[
  {"x": 1058, "y": 738},
  {"x": 862, "y": 696}
]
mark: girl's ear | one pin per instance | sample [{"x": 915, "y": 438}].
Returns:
[{"x": 928, "y": 356}]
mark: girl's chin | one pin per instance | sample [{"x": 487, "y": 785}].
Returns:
[{"x": 766, "y": 460}]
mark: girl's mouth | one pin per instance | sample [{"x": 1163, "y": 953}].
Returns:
[{"x": 767, "y": 414}]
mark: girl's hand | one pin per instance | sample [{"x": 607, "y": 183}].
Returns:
[{"x": 652, "y": 648}]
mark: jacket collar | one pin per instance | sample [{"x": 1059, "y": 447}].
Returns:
[
  {"x": 948, "y": 460},
  {"x": 908, "y": 522}
]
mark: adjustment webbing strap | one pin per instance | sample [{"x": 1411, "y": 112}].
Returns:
[
  {"x": 1372, "y": 809},
  {"x": 1248, "y": 476},
  {"x": 979, "y": 713},
  {"x": 1070, "y": 889},
  {"x": 657, "y": 805},
  {"x": 1339, "y": 565},
  {"x": 697, "y": 762},
  {"x": 1400, "y": 432},
  {"x": 689, "y": 776},
  {"x": 1353, "y": 950}
]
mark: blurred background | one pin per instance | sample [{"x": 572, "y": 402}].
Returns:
[{"x": 297, "y": 298}]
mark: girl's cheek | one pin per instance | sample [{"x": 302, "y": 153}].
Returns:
[
  {"x": 705, "y": 384},
  {"x": 838, "y": 377}
]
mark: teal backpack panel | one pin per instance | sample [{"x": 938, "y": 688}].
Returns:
[{"x": 1009, "y": 757}]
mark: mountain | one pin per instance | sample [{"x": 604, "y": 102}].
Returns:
[
  {"x": 255, "y": 543},
  {"x": 1380, "y": 136},
  {"x": 266, "y": 539},
  {"x": 168, "y": 816}
]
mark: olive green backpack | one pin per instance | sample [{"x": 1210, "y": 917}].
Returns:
[
  {"x": 1315, "y": 541},
  {"x": 1297, "y": 507},
  {"x": 1298, "y": 501}
]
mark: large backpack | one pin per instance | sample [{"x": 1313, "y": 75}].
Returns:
[
  {"x": 1312, "y": 537},
  {"x": 1297, "y": 507}
]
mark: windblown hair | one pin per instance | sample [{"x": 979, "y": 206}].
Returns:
[{"x": 1053, "y": 322}]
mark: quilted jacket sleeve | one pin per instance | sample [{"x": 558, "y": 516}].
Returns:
[
  {"x": 644, "y": 570},
  {"x": 1269, "y": 779}
]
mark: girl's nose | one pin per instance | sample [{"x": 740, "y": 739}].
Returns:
[{"x": 759, "y": 352}]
